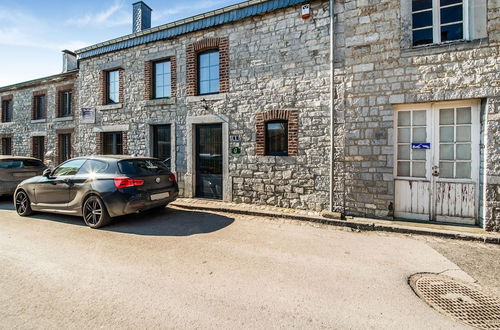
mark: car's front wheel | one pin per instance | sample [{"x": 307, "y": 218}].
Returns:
[
  {"x": 23, "y": 204},
  {"x": 95, "y": 214}
]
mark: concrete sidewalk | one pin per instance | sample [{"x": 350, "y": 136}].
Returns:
[{"x": 469, "y": 233}]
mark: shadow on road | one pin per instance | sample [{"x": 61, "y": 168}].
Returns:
[
  {"x": 165, "y": 222},
  {"x": 169, "y": 222}
]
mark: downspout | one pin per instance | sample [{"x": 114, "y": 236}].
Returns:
[{"x": 332, "y": 105}]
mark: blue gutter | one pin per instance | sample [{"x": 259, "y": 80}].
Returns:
[{"x": 208, "y": 20}]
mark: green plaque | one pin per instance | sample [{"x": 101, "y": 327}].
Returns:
[{"x": 236, "y": 151}]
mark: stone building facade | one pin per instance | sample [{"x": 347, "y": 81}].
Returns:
[
  {"x": 383, "y": 76},
  {"x": 32, "y": 135},
  {"x": 415, "y": 123}
]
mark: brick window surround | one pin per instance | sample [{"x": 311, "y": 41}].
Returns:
[
  {"x": 9, "y": 98},
  {"x": 222, "y": 44},
  {"x": 61, "y": 89},
  {"x": 33, "y": 103},
  {"x": 59, "y": 132},
  {"x": 292, "y": 116},
  {"x": 100, "y": 142},
  {"x": 103, "y": 85},
  {"x": 149, "y": 79}
]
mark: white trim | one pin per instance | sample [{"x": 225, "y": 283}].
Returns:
[{"x": 111, "y": 128}]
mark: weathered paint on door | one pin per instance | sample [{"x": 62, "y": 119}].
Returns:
[{"x": 440, "y": 183}]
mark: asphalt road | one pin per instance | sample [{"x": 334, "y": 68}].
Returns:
[{"x": 179, "y": 269}]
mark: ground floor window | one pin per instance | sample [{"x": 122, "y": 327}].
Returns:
[
  {"x": 38, "y": 147},
  {"x": 6, "y": 146},
  {"x": 64, "y": 147},
  {"x": 277, "y": 138},
  {"x": 162, "y": 143},
  {"x": 112, "y": 143}
]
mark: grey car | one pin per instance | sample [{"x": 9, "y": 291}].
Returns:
[
  {"x": 99, "y": 188},
  {"x": 15, "y": 169}
]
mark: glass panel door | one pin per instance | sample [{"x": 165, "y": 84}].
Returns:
[{"x": 209, "y": 161}]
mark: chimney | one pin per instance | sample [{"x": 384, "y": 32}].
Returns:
[
  {"x": 69, "y": 61},
  {"x": 141, "y": 17}
]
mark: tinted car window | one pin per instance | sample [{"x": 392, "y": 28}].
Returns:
[
  {"x": 93, "y": 166},
  {"x": 11, "y": 163},
  {"x": 32, "y": 163},
  {"x": 142, "y": 167},
  {"x": 69, "y": 168}
]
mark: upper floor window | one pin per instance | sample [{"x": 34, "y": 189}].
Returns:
[
  {"x": 65, "y": 107},
  {"x": 113, "y": 87},
  {"x": 436, "y": 21},
  {"x": 208, "y": 72},
  {"x": 162, "y": 79},
  {"x": 7, "y": 111},
  {"x": 39, "y": 107},
  {"x": 277, "y": 138}
]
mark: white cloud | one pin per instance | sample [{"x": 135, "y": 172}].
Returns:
[{"x": 115, "y": 15}]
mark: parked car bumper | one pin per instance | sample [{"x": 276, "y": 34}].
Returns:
[{"x": 120, "y": 203}]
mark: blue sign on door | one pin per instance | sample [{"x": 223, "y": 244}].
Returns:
[{"x": 421, "y": 145}]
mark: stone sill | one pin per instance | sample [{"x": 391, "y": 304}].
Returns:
[
  {"x": 110, "y": 106},
  {"x": 36, "y": 121},
  {"x": 209, "y": 97},
  {"x": 63, "y": 118},
  {"x": 165, "y": 101},
  {"x": 7, "y": 123},
  {"x": 444, "y": 47}
]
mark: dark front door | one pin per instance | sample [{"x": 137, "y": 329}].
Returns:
[{"x": 209, "y": 161}]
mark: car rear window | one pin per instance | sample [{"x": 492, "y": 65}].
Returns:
[
  {"x": 142, "y": 167},
  {"x": 20, "y": 163}
]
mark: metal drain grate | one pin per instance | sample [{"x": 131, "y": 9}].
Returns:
[{"x": 457, "y": 300}]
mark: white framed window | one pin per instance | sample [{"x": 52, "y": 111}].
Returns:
[{"x": 437, "y": 21}]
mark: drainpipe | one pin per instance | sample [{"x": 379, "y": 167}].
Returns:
[{"x": 332, "y": 105}]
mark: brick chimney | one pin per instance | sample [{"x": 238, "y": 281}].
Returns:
[{"x": 141, "y": 16}]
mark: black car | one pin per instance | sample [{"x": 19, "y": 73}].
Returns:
[
  {"x": 98, "y": 188},
  {"x": 15, "y": 169}
]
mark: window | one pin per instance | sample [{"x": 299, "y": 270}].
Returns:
[
  {"x": 113, "y": 87},
  {"x": 65, "y": 108},
  {"x": 38, "y": 147},
  {"x": 6, "y": 146},
  {"x": 436, "y": 21},
  {"x": 162, "y": 79},
  {"x": 64, "y": 147},
  {"x": 412, "y": 128},
  {"x": 7, "y": 111},
  {"x": 161, "y": 143},
  {"x": 69, "y": 168},
  {"x": 39, "y": 107},
  {"x": 112, "y": 143},
  {"x": 277, "y": 138},
  {"x": 93, "y": 166},
  {"x": 208, "y": 72}
]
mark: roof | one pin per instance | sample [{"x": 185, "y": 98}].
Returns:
[
  {"x": 200, "y": 22},
  {"x": 39, "y": 81}
]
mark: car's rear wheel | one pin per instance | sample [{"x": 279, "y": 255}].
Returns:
[
  {"x": 23, "y": 204},
  {"x": 95, "y": 214}
]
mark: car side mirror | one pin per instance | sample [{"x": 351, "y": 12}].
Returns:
[{"x": 46, "y": 173}]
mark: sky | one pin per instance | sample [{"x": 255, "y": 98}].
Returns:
[{"x": 34, "y": 32}]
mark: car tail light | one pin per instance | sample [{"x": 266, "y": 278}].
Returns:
[
  {"x": 171, "y": 177},
  {"x": 127, "y": 182}
]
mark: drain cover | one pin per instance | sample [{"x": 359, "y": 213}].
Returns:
[{"x": 457, "y": 300}]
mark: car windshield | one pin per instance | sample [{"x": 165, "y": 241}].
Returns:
[
  {"x": 142, "y": 167},
  {"x": 20, "y": 163}
]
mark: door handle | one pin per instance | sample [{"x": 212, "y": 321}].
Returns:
[{"x": 68, "y": 182}]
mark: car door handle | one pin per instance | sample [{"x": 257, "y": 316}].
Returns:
[{"x": 68, "y": 182}]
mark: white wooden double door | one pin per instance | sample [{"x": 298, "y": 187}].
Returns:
[{"x": 437, "y": 161}]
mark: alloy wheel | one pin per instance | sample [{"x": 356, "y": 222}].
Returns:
[
  {"x": 92, "y": 211},
  {"x": 22, "y": 202}
]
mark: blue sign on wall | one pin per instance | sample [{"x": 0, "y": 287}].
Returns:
[{"x": 421, "y": 145}]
